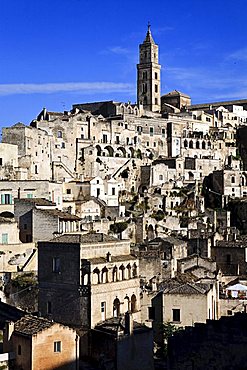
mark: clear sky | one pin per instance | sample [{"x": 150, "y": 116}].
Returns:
[{"x": 54, "y": 53}]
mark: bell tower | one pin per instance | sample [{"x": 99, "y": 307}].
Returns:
[{"x": 148, "y": 74}]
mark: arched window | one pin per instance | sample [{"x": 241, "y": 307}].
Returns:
[
  {"x": 97, "y": 272},
  {"x": 191, "y": 144},
  {"x": 133, "y": 306},
  {"x": 116, "y": 307},
  {"x": 115, "y": 274},
  {"x": 104, "y": 275},
  {"x": 203, "y": 145},
  {"x": 197, "y": 145},
  {"x": 185, "y": 143},
  {"x": 209, "y": 144},
  {"x": 129, "y": 271},
  {"x": 122, "y": 269},
  {"x": 134, "y": 270}
]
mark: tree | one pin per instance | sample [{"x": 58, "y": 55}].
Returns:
[{"x": 168, "y": 330}]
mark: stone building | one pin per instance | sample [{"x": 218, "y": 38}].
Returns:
[
  {"x": 123, "y": 344},
  {"x": 14, "y": 189},
  {"x": 38, "y": 219},
  {"x": 183, "y": 304},
  {"x": 40, "y": 344},
  {"x": 86, "y": 279},
  {"x": 230, "y": 257}
]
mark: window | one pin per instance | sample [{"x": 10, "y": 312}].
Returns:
[
  {"x": 151, "y": 313},
  {"x": 19, "y": 350},
  {"x": 68, "y": 191},
  {"x": 233, "y": 179},
  {"x": 163, "y": 131},
  {"x": 59, "y": 134},
  {"x": 144, "y": 75},
  {"x": 151, "y": 131},
  {"x": 48, "y": 307},
  {"x": 156, "y": 76},
  {"x": 156, "y": 101},
  {"x": 29, "y": 195},
  {"x": 156, "y": 88},
  {"x": 113, "y": 191},
  {"x": 1, "y": 161},
  {"x": 176, "y": 315},
  {"x": 104, "y": 138},
  {"x": 139, "y": 129},
  {"x": 5, "y": 238},
  {"x": 57, "y": 346},
  {"x": 36, "y": 169},
  {"x": 56, "y": 267},
  {"x": 117, "y": 139},
  {"x": 228, "y": 259},
  {"x": 160, "y": 177},
  {"x": 103, "y": 310},
  {"x": 6, "y": 199},
  {"x": 63, "y": 145},
  {"x": 144, "y": 88}
]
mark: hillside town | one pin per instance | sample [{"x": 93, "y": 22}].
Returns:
[{"x": 123, "y": 233}]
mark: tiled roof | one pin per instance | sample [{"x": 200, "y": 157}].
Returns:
[
  {"x": 188, "y": 288},
  {"x": 30, "y": 325},
  {"x": 84, "y": 238},
  {"x": 36, "y": 201},
  {"x": 176, "y": 93},
  {"x": 61, "y": 215}
]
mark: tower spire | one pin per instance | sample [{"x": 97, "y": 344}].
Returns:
[{"x": 148, "y": 74}]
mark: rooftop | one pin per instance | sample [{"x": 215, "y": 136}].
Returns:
[
  {"x": 84, "y": 238},
  {"x": 30, "y": 325}
]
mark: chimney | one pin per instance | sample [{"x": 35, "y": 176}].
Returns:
[
  {"x": 128, "y": 330},
  {"x": 108, "y": 257}
]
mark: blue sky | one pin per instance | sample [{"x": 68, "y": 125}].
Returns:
[{"x": 59, "y": 52}]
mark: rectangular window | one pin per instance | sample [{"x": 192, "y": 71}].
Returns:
[
  {"x": 57, "y": 346},
  {"x": 103, "y": 310},
  {"x": 5, "y": 238},
  {"x": 163, "y": 132},
  {"x": 156, "y": 88},
  {"x": 48, "y": 307},
  {"x": 117, "y": 140},
  {"x": 62, "y": 145},
  {"x": 104, "y": 138},
  {"x": 151, "y": 131},
  {"x": 36, "y": 169},
  {"x": 176, "y": 315},
  {"x": 56, "y": 266},
  {"x": 144, "y": 75},
  {"x": 6, "y": 199},
  {"x": 29, "y": 195},
  {"x": 1, "y": 161},
  {"x": 139, "y": 129},
  {"x": 113, "y": 191},
  {"x": 59, "y": 134},
  {"x": 151, "y": 313},
  {"x": 68, "y": 191},
  {"x": 156, "y": 75}
]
